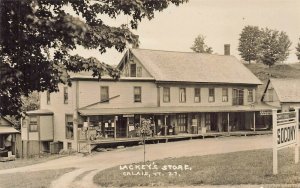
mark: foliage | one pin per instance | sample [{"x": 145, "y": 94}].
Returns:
[
  {"x": 249, "y": 43},
  {"x": 284, "y": 45},
  {"x": 298, "y": 50},
  {"x": 199, "y": 45},
  {"x": 31, "y": 102},
  {"x": 145, "y": 128},
  {"x": 36, "y": 37}
]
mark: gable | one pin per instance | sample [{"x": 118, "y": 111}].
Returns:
[
  {"x": 167, "y": 66},
  {"x": 287, "y": 90}
]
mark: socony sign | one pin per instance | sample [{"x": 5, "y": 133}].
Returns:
[{"x": 286, "y": 134}]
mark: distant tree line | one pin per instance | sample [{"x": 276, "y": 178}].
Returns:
[{"x": 264, "y": 45}]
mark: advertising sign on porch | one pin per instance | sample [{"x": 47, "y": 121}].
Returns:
[
  {"x": 285, "y": 133},
  {"x": 265, "y": 113}
]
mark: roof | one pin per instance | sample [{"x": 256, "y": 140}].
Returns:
[
  {"x": 8, "y": 130},
  {"x": 171, "y": 109},
  {"x": 194, "y": 67},
  {"x": 287, "y": 90},
  {"x": 39, "y": 112}
]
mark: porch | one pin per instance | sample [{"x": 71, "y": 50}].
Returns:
[{"x": 89, "y": 145}]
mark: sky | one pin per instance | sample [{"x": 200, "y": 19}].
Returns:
[{"x": 220, "y": 21}]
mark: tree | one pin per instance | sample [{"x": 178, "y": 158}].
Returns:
[
  {"x": 298, "y": 50},
  {"x": 249, "y": 43},
  {"x": 36, "y": 37},
  {"x": 284, "y": 45},
  {"x": 199, "y": 45},
  {"x": 270, "y": 47}
]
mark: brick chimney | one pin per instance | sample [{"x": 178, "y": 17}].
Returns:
[{"x": 226, "y": 49}]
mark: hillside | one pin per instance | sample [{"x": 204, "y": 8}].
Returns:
[{"x": 278, "y": 71}]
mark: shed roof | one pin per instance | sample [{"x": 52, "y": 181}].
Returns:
[
  {"x": 194, "y": 67},
  {"x": 40, "y": 112},
  {"x": 170, "y": 109},
  {"x": 287, "y": 90},
  {"x": 8, "y": 130}
]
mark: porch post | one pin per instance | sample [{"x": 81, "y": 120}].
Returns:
[
  {"x": 88, "y": 135},
  {"x": 165, "y": 125},
  {"x": 227, "y": 121},
  {"x": 254, "y": 121},
  {"x": 115, "y": 127}
]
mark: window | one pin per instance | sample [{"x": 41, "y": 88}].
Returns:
[
  {"x": 237, "y": 96},
  {"x": 69, "y": 127},
  {"x": 224, "y": 94},
  {"x": 182, "y": 122},
  {"x": 182, "y": 95},
  {"x": 48, "y": 97},
  {"x": 33, "y": 124},
  {"x": 139, "y": 71},
  {"x": 104, "y": 94},
  {"x": 166, "y": 94},
  {"x": 66, "y": 95},
  {"x": 250, "y": 95},
  {"x": 211, "y": 95},
  {"x": 197, "y": 95},
  {"x": 137, "y": 94},
  {"x": 133, "y": 70}
]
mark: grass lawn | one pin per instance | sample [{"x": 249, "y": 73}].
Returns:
[
  {"x": 247, "y": 167},
  {"x": 31, "y": 179},
  {"x": 25, "y": 162}
]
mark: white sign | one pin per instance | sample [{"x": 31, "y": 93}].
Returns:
[
  {"x": 265, "y": 113},
  {"x": 285, "y": 133}
]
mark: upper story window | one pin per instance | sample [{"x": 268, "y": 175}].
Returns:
[
  {"x": 137, "y": 94},
  {"x": 224, "y": 94},
  {"x": 250, "y": 95},
  {"x": 237, "y": 96},
  {"x": 104, "y": 90},
  {"x": 133, "y": 70},
  {"x": 211, "y": 95},
  {"x": 197, "y": 97},
  {"x": 33, "y": 124},
  {"x": 66, "y": 95},
  {"x": 166, "y": 94},
  {"x": 182, "y": 95},
  {"x": 139, "y": 72},
  {"x": 48, "y": 97}
]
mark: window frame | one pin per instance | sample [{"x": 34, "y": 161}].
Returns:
[
  {"x": 139, "y": 71},
  {"x": 139, "y": 94},
  {"x": 180, "y": 98},
  {"x": 195, "y": 89},
  {"x": 33, "y": 124},
  {"x": 209, "y": 95},
  {"x": 131, "y": 70},
  {"x": 104, "y": 100},
  {"x": 66, "y": 127},
  {"x": 225, "y": 94},
  {"x": 237, "y": 100},
  {"x": 252, "y": 95},
  {"x": 48, "y": 97},
  {"x": 66, "y": 95},
  {"x": 166, "y": 94}
]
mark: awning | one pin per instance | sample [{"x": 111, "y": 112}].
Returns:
[
  {"x": 8, "y": 130},
  {"x": 172, "y": 109},
  {"x": 40, "y": 112}
]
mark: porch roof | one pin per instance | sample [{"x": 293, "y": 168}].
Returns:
[
  {"x": 8, "y": 130},
  {"x": 172, "y": 109}
]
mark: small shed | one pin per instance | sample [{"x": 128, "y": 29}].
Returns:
[
  {"x": 10, "y": 140},
  {"x": 37, "y": 132}
]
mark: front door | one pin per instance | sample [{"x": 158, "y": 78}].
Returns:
[{"x": 182, "y": 123}]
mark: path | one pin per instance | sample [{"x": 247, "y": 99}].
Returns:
[{"x": 88, "y": 166}]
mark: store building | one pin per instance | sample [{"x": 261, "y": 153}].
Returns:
[{"x": 180, "y": 92}]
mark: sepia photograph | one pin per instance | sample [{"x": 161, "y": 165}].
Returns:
[{"x": 149, "y": 93}]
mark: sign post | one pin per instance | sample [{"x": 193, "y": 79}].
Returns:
[{"x": 285, "y": 134}]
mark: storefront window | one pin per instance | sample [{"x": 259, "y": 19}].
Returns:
[{"x": 33, "y": 124}]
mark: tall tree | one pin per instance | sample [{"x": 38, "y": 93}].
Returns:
[
  {"x": 270, "y": 47},
  {"x": 199, "y": 45},
  {"x": 298, "y": 50},
  {"x": 36, "y": 37},
  {"x": 249, "y": 43},
  {"x": 284, "y": 46}
]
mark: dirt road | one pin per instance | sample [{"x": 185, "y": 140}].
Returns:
[{"x": 88, "y": 166}]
